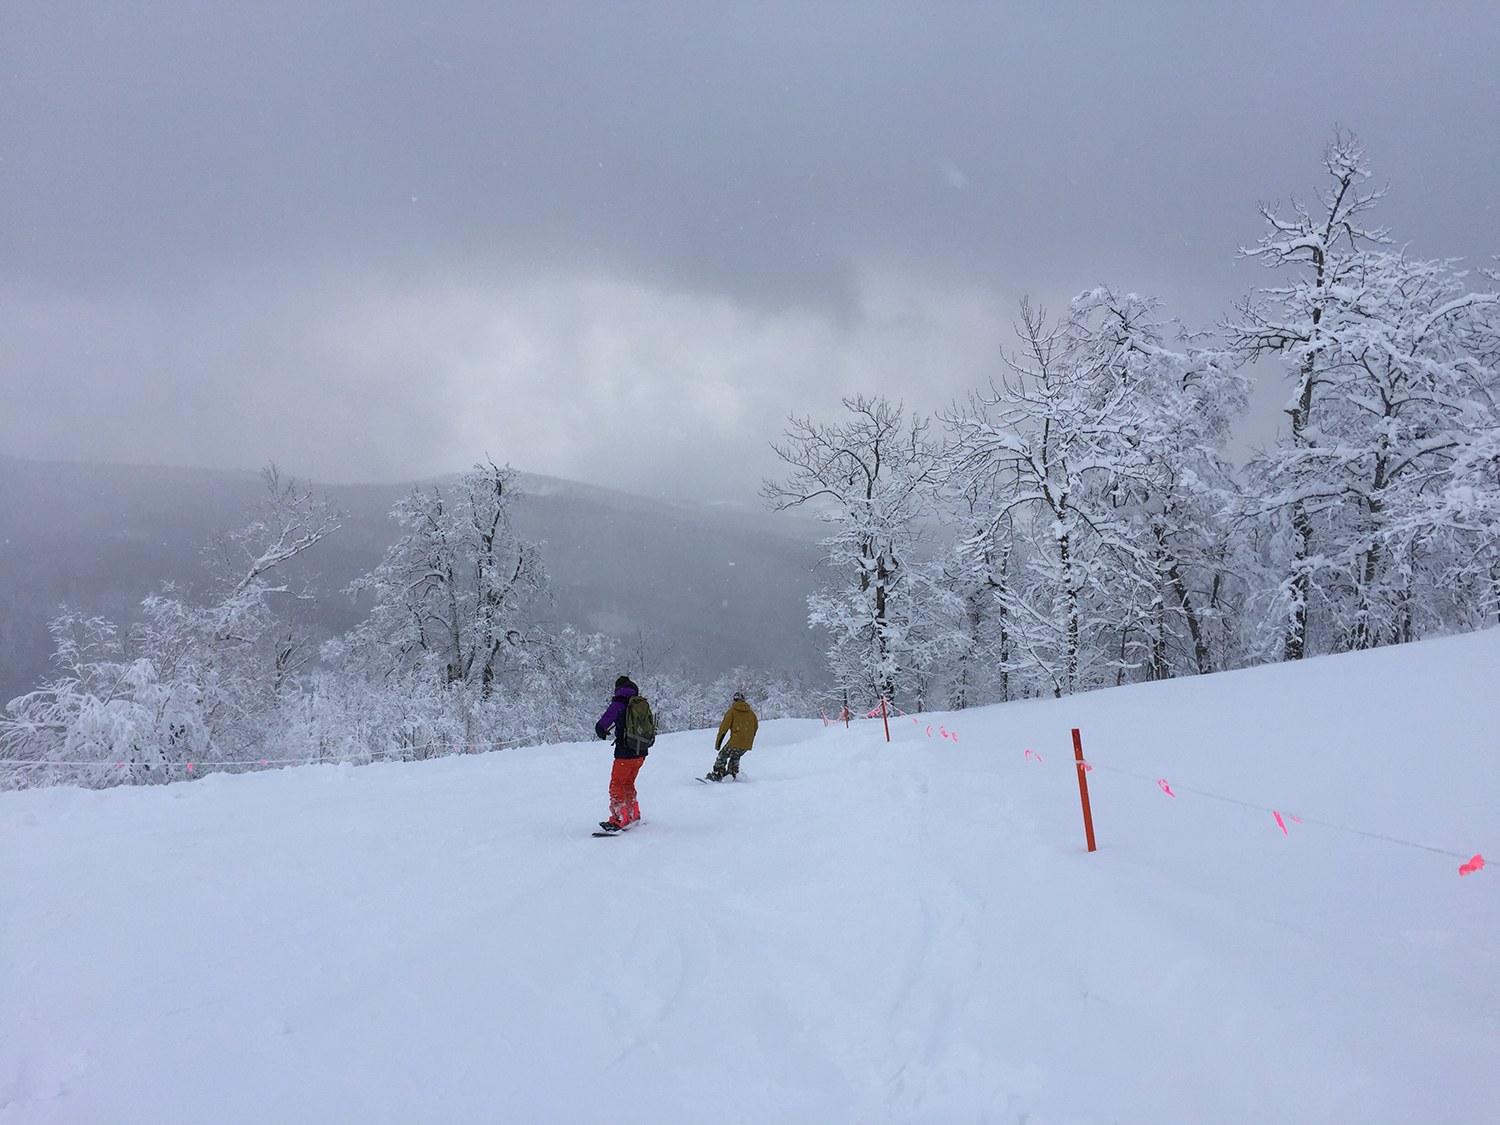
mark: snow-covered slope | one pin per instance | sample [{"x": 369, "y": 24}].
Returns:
[{"x": 859, "y": 932}]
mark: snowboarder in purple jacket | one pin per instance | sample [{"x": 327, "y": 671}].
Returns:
[{"x": 624, "y": 808}]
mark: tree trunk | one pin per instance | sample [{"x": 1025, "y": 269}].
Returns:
[
  {"x": 1070, "y": 594},
  {"x": 1295, "y": 645},
  {"x": 1200, "y": 649}
]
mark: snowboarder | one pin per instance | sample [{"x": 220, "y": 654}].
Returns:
[
  {"x": 635, "y": 730},
  {"x": 739, "y": 723}
]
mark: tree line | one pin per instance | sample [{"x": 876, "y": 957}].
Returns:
[
  {"x": 454, "y": 654},
  {"x": 1076, "y": 524}
]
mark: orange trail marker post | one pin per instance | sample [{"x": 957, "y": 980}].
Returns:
[
  {"x": 1083, "y": 789},
  {"x": 885, "y": 720}
]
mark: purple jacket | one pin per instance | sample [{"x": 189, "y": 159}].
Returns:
[{"x": 614, "y": 716}]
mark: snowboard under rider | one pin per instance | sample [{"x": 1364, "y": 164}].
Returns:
[
  {"x": 739, "y": 724},
  {"x": 624, "y": 808}
]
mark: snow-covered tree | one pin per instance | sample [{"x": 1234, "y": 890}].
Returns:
[
  {"x": 450, "y": 638},
  {"x": 1392, "y": 362},
  {"x": 195, "y": 681},
  {"x": 1466, "y": 522},
  {"x": 1089, "y": 483},
  {"x": 872, "y": 477},
  {"x": 1032, "y": 448},
  {"x": 971, "y": 571},
  {"x": 1319, "y": 246},
  {"x": 1170, "y": 483}
]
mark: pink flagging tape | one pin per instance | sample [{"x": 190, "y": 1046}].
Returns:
[
  {"x": 1475, "y": 864},
  {"x": 1033, "y": 754},
  {"x": 943, "y": 731},
  {"x": 929, "y": 731},
  {"x": 1280, "y": 823},
  {"x": 1165, "y": 788}
]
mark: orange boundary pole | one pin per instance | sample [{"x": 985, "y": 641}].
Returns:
[
  {"x": 1083, "y": 789},
  {"x": 885, "y": 720}
]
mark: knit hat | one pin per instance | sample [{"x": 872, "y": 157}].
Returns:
[
  {"x": 622, "y": 681},
  {"x": 739, "y": 697}
]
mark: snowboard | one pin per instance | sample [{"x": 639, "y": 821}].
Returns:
[
  {"x": 621, "y": 832},
  {"x": 711, "y": 781}
]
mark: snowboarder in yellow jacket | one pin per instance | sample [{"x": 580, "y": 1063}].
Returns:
[{"x": 739, "y": 724}]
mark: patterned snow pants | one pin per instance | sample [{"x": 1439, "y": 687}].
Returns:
[
  {"x": 728, "y": 761},
  {"x": 623, "y": 806}
]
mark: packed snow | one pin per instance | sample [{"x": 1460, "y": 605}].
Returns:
[{"x": 855, "y": 932}]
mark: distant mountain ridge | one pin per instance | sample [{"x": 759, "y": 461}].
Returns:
[{"x": 715, "y": 586}]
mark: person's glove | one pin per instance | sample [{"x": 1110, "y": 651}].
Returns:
[{"x": 601, "y": 731}]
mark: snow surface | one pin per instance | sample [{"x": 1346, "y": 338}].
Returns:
[{"x": 857, "y": 933}]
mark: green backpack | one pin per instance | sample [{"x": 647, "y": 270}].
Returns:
[{"x": 639, "y": 725}]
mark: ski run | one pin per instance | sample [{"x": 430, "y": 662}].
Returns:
[{"x": 868, "y": 932}]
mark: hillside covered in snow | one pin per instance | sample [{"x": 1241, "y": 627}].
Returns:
[
  {"x": 856, "y": 932},
  {"x": 714, "y": 586}
]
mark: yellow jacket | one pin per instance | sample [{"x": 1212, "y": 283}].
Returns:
[{"x": 740, "y": 723}]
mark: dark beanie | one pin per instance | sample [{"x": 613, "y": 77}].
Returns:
[{"x": 622, "y": 681}]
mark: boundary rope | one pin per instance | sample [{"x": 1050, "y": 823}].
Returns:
[
  {"x": 1266, "y": 808},
  {"x": 1277, "y": 813}
]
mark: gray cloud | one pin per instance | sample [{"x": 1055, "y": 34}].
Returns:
[
  {"x": 614, "y": 381},
  {"x": 378, "y": 240}
]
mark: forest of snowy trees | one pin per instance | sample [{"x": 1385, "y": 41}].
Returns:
[
  {"x": 452, "y": 657},
  {"x": 1076, "y": 524},
  {"x": 1073, "y": 525}
]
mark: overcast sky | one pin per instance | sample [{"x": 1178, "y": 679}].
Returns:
[{"x": 620, "y": 242}]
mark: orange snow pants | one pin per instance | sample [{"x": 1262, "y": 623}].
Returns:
[{"x": 623, "y": 806}]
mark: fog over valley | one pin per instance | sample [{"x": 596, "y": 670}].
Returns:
[{"x": 711, "y": 587}]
